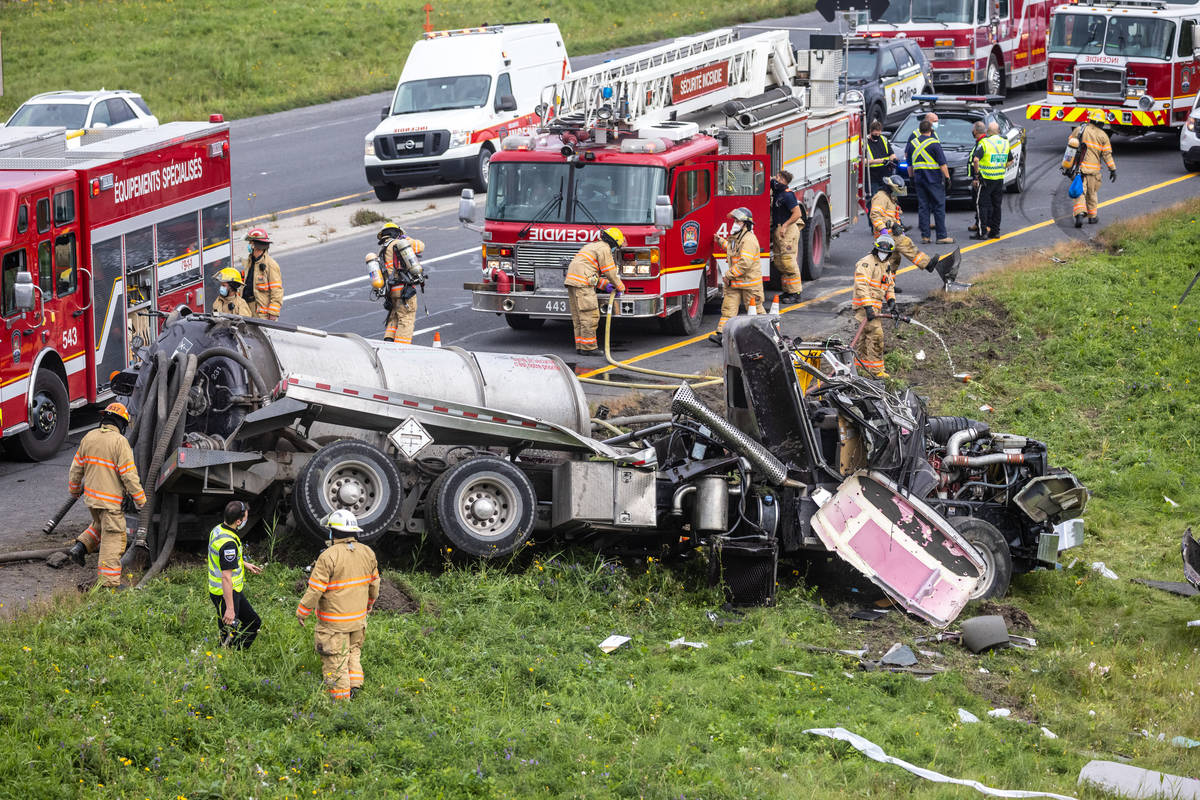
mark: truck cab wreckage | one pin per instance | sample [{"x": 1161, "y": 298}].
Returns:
[{"x": 482, "y": 450}]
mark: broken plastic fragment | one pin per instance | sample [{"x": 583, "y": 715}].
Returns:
[
  {"x": 999, "y": 713},
  {"x": 920, "y": 356},
  {"x": 1172, "y": 502},
  {"x": 1102, "y": 568},
  {"x": 987, "y": 409},
  {"x": 613, "y": 642},
  {"x": 1049, "y": 734},
  {"x": 681, "y": 642},
  {"x": 1126, "y": 780},
  {"x": 965, "y": 716},
  {"x": 743, "y": 643},
  {"x": 899, "y": 655},
  {"x": 1194, "y": 623},
  {"x": 1185, "y": 742}
]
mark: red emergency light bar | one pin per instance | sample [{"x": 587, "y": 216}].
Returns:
[{"x": 934, "y": 99}]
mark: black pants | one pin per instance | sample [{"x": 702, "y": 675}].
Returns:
[
  {"x": 246, "y": 621},
  {"x": 991, "y": 198}
]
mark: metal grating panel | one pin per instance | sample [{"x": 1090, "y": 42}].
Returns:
[
  {"x": 1100, "y": 82},
  {"x": 544, "y": 255}
]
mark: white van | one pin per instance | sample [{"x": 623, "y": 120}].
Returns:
[{"x": 459, "y": 94}]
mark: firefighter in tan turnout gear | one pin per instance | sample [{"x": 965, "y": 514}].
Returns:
[
  {"x": 594, "y": 268},
  {"x": 743, "y": 280},
  {"x": 103, "y": 472},
  {"x": 263, "y": 288},
  {"x": 229, "y": 294},
  {"x": 402, "y": 275},
  {"x": 342, "y": 588},
  {"x": 1092, "y": 146},
  {"x": 874, "y": 293},
  {"x": 885, "y": 218}
]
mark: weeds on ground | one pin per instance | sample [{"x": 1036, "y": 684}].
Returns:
[{"x": 366, "y": 216}]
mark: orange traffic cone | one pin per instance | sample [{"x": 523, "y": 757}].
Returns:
[
  {"x": 775, "y": 306},
  {"x": 437, "y": 339},
  {"x": 752, "y": 308}
]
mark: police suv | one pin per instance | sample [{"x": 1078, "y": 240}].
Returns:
[{"x": 889, "y": 73}]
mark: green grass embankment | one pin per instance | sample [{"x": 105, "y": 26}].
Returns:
[
  {"x": 497, "y": 689},
  {"x": 190, "y": 58}
]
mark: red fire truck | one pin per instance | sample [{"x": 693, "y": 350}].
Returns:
[
  {"x": 98, "y": 243},
  {"x": 1131, "y": 64},
  {"x": 989, "y": 44},
  {"x": 626, "y": 148}
]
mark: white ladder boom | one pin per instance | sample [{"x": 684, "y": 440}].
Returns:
[{"x": 687, "y": 76}]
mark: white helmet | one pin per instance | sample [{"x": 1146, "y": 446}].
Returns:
[{"x": 342, "y": 521}]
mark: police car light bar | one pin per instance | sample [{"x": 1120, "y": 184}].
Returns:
[{"x": 934, "y": 99}]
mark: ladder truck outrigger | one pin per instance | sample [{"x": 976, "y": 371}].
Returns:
[{"x": 663, "y": 145}]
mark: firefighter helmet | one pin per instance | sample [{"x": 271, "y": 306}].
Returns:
[
  {"x": 117, "y": 410},
  {"x": 229, "y": 275},
  {"x": 390, "y": 230},
  {"x": 743, "y": 215},
  {"x": 1097, "y": 115},
  {"x": 895, "y": 185},
  {"x": 258, "y": 235},
  {"x": 342, "y": 521},
  {"x": 615, "y": 236},
  {"x": 884, "y": 243}
]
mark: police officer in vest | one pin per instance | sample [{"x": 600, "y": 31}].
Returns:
[
  {"x": 990, "y": 162},
  {"x": 236, "y": 618},
  {"x": 928, "y": 171},
  {"x": 881, "y": 156}
]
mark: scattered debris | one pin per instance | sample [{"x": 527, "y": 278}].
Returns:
[
  {"x": 1181, "y": 588},
  {"x": 1195, "y": 623},
  {"x": 1013, "y": 617},
  {"x": 930, "y": 653},
  {"x": 1049, "y": 734},
  {"x": 869, "y": 614},
  {"x": 1191, "y": 559},
  {"x": 1022, "y": 642},
  {"x": 966, "y": 717},
  {"x": 734, "y": 619},
  {"x": 744, "y": 643},
  {"x": 681, "y": 642},
  {"x": 1105, "y": 572},
  {"x": 920, "y": 356},
  {"x": 986, "y": 408},
  {"x": 984, "y": 633},
  {"x": 613, "y": 642},
  {"x": 855, "y": 653},
  {"x": 1184, "y": 742},
  {"x": 1126, "y": 780},
  {"x": 900, "y": 655},
  {"x": 876, "y": 753},
  {"x": 57, "y": 560},
  {"x": 999, "y": 713},
  {"x": 1172, "y": 503},
  {"x": 795, "y": 672}
]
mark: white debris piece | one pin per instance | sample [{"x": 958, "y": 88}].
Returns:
[
  {"x": 965, "y": 716},
  {"x": 1049, "y": 734},
  {"x": 1126, "y": 780},
  {"x": 613, "y": 642},
  {"x": 1105, "y": 572},
  {"x": 999, "y": 713},
  {"x": 1172, "y": 502},
  {"x": 681, "y": 642},
  {"x": 1195, "y": 623},
  {"x": 920, "y": 356}
]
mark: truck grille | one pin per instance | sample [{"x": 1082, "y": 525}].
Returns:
[
  {"x": 411, "y": 145},
  {"x": 1100, "y": 82},
  {"x": 544, "y": 255}
]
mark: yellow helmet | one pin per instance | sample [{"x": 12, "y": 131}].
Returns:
[
  {"x": 390, "y": 230},
  {"x": 229, "y": 275},
  {"x": 117, "y": 410},
  {"x": 616, "y": 235},
  {"x": 1096, "y": 115}
]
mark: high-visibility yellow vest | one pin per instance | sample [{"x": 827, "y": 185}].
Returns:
[
  {"x": 920, "y": 157},
  {"x": 993, "y": 158},
  {"x": 217, "y": 538}
]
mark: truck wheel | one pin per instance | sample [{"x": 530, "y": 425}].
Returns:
[
  {"x": 520, "y": 322},
  {"x": 482, "y": 167},
  {"x": 1018, "y": 184},
  {"x": 991, "y": 546},
  {"x": 387, "y": 192},
  {"x": 483, "y": 506},
  {"x": 352, "y": 475},
  {"x": 993, "y": 77},
  {"x": 816, "y": 245},
  {"x": 1191, "y": 166},
  {"x": 876, "y": 113},
  {"x": 49, "y": 419},
  {"x": 690, "y": 316}
]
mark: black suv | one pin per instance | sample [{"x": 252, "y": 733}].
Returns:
[
  {"x": 956, "y": 116},
  {"x": 889, "y": 73}
]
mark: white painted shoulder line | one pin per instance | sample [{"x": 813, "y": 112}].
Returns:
[{"x": 362, "y": 278}]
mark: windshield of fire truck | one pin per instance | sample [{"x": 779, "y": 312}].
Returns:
[
  {"x": 897, "y": 12},
  {"x": 1076, "y": 33},
  {"x": 441, "y": 94},
  {"x": 960, "y": 11},
  {"x": 1139, "y": 37},
  {"x": 606, "y": 194}
]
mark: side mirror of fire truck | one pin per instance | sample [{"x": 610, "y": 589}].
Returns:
[
  {"x": 664, "y": 215},
  {"x": 466, "y": 207},
  {"x": 24, "y": 292}
]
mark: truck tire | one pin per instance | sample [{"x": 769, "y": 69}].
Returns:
[
  {"x": 688, "y": 319},
  {"x": 876, "y": 112},
  {"x": 520, "y": 322},
  {"x": 991, "y": 546},
  {"x": 483, "y": 506},
  {"x": 816, "y": 245},
  {"x": 993, "y": 77},
  {"x": 479, "y": 182},
  {"x": 387, "y": 192},
  {"x": 49, "y": 419},
  {"x": 348, "y": 474},
  {"x": 1191, "y": 166}
]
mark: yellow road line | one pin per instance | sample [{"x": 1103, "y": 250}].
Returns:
[
  {"x": 341, "y": 199},
  {"x": 836, "y": 292}
]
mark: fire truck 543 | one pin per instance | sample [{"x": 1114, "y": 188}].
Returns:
[{"x": 98, "y": 244}]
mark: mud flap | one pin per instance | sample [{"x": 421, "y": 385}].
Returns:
[
  {"x": 947, "y": 267},
  {"x": 1191, "y": 559},
  {"x": 901, "y": 544}
]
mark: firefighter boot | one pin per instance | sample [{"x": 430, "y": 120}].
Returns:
[
  {"x": 715, "y": 337},
  {"x": 1079, "y": 220},
  {"x": 77, "y": 553}
]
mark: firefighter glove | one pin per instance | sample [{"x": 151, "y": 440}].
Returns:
[
  {"x": 1112, "y": 175},
  {"x": 897, "y": 229},
  {"x": 870, "y": 314},
  {"x": 610, "y": 288},
  {"x": 890, "y": 306},
  {"x": 946, "y": 183}
]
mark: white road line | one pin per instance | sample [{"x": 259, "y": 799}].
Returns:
[
  {"x": 362, "y": 278},
  {"x": 434, "y": 328},
  {"x": 1014, "y": 108}
]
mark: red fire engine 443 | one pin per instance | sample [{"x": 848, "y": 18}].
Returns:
[
  {"x": 635, "y": 143},
  {"x": 98, "y": 243},
  {"x": 990, "y": 44},
  {"x": 1131, "y": 64}
]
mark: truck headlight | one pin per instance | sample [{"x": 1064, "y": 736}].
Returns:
[
  {"x": 459, "y": 138},
  {"x": 370, "y": 150},
  {"x": 1063, "y": 82}
]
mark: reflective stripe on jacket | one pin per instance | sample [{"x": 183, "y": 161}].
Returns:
[
  {"x": 592, "y": 260},
  {"x": 218, "y": 537},
  {"x": 874, "y": 283},
  {"x": 745, "y": 266},
  {"x": 921, "y": 158},
  {"x": 884, "y": 211},
  {"x": 342, "y": 586},
  {"x": 1098, "y": 148},
  {"x": 103, "y": 470},
  {"x": 391, "y": 257},
  {"x": 993, "y": 158},
  {"x": 265, "y": 285}
]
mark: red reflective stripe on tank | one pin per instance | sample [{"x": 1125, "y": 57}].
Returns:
[
  {"x": 470, "y": 415},
  {"x": 293, "y": 381},
  {"x": 350, "y": 391},
  {"x": 324, "y": 386},
  {"x": 411, "y": 403},
  {"x": 441, "y": 409},
  {"x": 382, "y": 397},
  {"x": 527, "y": 424}
]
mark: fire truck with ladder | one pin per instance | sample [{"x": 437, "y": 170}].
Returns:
[
  {"x": 1133, "y": 65},
  {"x": 99, "y": 243},
  {"x": 988, "y": 44},
  {"x": 664, "y": 144}
]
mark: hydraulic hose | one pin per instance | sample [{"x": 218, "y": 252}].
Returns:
[
  {"x": 52, "y": 523},
  {"x": 139, "y": 400},
  {"x": 169, "y": 522},
  {"x": 702, "y": 380}
]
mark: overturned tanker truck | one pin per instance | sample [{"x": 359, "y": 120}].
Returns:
[{"x": 485, "y": 450}]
